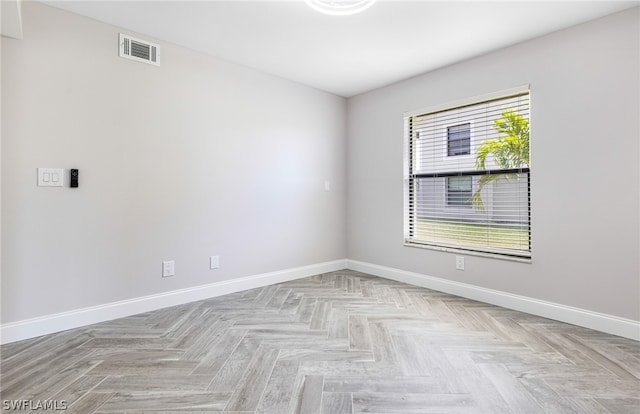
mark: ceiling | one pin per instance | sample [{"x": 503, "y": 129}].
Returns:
[{"x": 344, "y": 55}]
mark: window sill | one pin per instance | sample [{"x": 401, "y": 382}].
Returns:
[{"x": 488, "y": 255}]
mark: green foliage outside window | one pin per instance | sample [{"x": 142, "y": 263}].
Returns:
[{"x": 509, "y": 151}]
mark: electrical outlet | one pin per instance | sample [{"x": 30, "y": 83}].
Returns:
[
  {"x": 459, "y": 262},
  {"x": 168, "y": 268},
  {"x": 214, "y": 262}
]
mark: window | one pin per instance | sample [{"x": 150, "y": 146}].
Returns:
[
  {"x": 459, "y": 191},
  {"x": 479, "y": 203},
  {"x": 459, "y": 140}
]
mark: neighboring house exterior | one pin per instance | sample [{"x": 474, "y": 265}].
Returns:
[
  {"x": 446, "y": 147},
  {"x": 448, "y": 196}
]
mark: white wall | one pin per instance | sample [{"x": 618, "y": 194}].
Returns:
[
  {"x": 195, "y": 158},
  {"x": 585, "y": 176}
]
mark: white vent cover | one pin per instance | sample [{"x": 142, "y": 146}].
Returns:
[{"x": 140, "y": 50}]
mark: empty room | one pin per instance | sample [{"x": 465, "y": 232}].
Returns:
[{"x": 320, "y": 206}]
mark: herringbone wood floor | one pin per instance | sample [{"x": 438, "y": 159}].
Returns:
[{"x": 342, "y": 342}]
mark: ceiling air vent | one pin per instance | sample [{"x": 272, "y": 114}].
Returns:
[{"x": 140, "y": 50}]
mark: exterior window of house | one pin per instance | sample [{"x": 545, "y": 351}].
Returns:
[
  {"x": 459, "y": 191},
  {"x": 479, "y": 203},
  {"x": 459, "y": 140}
]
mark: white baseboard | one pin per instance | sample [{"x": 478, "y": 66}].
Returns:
[
  {"x": 593, "y": 320},
  {"x": 31, "y": 328}
]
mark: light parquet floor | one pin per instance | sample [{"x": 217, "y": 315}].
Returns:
[{"x": 341, "y": 342}]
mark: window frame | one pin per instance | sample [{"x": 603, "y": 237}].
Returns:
[{"x": 411, "y": 184}]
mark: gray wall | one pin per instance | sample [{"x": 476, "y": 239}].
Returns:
[
  {"x": 585, "y": 177},
  {"x": 195, "y": 158}
]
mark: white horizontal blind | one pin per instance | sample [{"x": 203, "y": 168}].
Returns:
[{"x": 468, "y": 177}]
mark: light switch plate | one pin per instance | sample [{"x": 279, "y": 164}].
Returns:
[
  {"x": 50, "y": 177},
  {"x": 168, "y": 268},
  {"x": 214, "y": 262}
]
